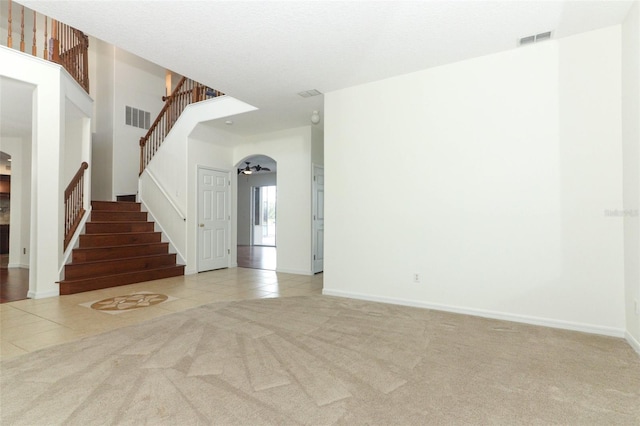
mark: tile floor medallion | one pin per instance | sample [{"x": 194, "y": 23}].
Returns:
[{"x": 119, "y": 304}]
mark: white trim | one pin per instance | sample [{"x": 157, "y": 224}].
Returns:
[
  {"x": 43, "y": 294},
  {"x": 18, "y": 265},
  {"x": 190, "y": 271},
  {"x": 173, "y": 247},
  {"x": 633, "y": 342},
  {"x": 166, "y": 195},
  {"x": 545, "y": 322},
  {"x": 294, "y": 271}
]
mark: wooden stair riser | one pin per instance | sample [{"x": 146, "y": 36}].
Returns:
[
  {"x": 115, "y": 206},
  {"x": 88, "y": 284},
  {"x": 118, "y": 227},
  {"x": 91, "y": 254},
  {"x": 115, "y": 216},
  {"x": 104, "y": 240},
  {"x": 117, "y": 266}
]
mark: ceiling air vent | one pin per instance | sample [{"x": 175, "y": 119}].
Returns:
[
  {"x": 309, "y": 93},
  {"x": 535, "y": 38}
]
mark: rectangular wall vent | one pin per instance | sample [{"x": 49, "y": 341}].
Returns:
[
  {"x": 535, "y": 38},
  {"x": 137, "y": 118}
]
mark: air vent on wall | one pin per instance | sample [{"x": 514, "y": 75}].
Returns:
[
  {"x": 534, "y": 38},
  {"x": 137, "y": 118}
]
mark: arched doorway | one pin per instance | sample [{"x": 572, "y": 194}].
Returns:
[{"x": 257, "y": 219}]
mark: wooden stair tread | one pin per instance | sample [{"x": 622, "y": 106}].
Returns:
[
  {"x": 123, "y": 233},
  {"x": 168, "y": 267},
  {"x": 120, "y": 259},
  {"x": 159, "y": 268},
  {"x": 120, "y": 246},
  {"x": 115, "y": 280}
]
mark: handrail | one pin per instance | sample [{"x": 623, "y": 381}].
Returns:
[
  {"x": 186, "y": 92},
  {"x": 166, "y": 195},
  {"x": 74, "y": 203},
  {"x": 67, "y": 46}
]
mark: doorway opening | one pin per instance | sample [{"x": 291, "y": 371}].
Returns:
[
  {"x": 257, "y": 218},
  {"x": 263, "y": 207}
]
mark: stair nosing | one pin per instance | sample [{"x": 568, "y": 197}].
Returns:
[
  {"x": 119, "y": 259},
  {"x": 124, "y": 233},
  {"x": 124, "y": 273},
  {"x": 102, "y": 222},
  {"x": 120, "y": 246}
]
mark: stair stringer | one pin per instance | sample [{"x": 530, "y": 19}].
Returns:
[
  {"x": 74, "y": 242},
  {"x": 169, "y": 173}
]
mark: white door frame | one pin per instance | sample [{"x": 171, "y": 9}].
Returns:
[{"x": 197, "y": 221}]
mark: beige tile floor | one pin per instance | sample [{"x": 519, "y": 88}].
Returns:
[{"x": 33, "y": 324}]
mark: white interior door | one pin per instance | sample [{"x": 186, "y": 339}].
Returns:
[
  {"x": 318, "y": 219},
  {"x": 213, "y": 219}
]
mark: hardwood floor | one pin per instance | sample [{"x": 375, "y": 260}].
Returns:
[
  {"x": 257, "y": 257},
  {"x": 14, "y": 284}
]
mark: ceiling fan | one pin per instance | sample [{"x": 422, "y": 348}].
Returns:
[{"x": 248, "y": 170}]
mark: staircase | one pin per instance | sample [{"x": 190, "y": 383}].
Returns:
[{"x": 119, "y": 247}]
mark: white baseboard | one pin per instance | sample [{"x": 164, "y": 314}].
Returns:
[
  {"x": 190, "y": 271},
  {"x": 545, "y": 322},
  {"x": 633, "y": 342},
  {"x": 18, "y": 265},
  {"x": 294, "y": 271},
  {"x": 43, "y": 294}
]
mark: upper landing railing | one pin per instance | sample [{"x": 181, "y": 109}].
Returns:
[
  {"x": 186, "y": 92},
  {"x": 61, "y": 43}
]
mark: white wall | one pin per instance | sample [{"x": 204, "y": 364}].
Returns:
[
  {"x": 74, "y": 128},
  {"x": 140, "y": 84},
  {"x": 102, "y": 71},
  {"x": 120, "y": 79},
  {"x": 291, "y": 149},
  {"x": 245, "y": 183},
  {"x": 631, "y": 164},
  {"x": 210, "y": 149},
  {"x": 317, "y": 145},
  {"x": 174, "y": 166},
  {"x": 54, "y": 89},
  {"x": 491, "y": 181}
]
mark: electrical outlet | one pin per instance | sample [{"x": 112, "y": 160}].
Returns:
[{"x": 416, "y": 277}]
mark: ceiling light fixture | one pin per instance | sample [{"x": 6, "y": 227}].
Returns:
[{"x": 249, "y": 170}]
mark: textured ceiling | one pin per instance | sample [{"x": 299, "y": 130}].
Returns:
[{"x": 265, "y": 52}]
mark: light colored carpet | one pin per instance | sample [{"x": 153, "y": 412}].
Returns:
[{"x": 324, "y": 360}]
